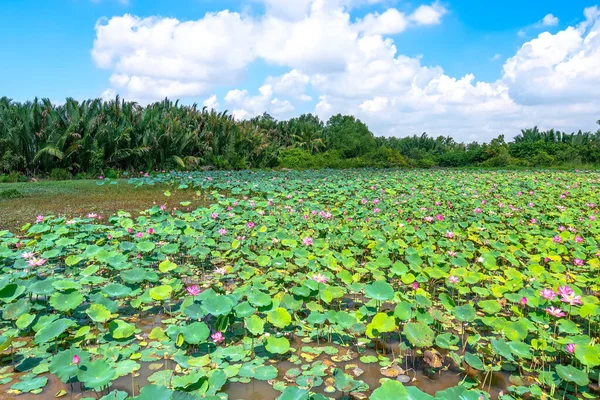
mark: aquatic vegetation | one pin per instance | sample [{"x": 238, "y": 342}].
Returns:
[{"x": 292, "y": 280}]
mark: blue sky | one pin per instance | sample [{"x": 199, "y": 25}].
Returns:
[{"x": 47, "y": 52}]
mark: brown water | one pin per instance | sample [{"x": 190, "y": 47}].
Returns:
[
  {"x": 257, "y": 390},
  {"x": 262, "y": 390}
]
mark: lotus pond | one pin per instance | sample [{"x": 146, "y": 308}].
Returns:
[{"x": 313, "y": 285}]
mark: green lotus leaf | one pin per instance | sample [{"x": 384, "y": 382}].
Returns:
[
  {"x": 16, "y": 309},
  {"x": 571, "y": 374},
  {"x": 419, "y": 334},
  {"x": 145, "y": 247},
  {"x": 265, "y": 372},
  {"x": 279, "y": 317},
  {"x": 465, "y": 313},
  {"x": 98, "y": 313},
  {"x": 120, "y": 329},
  {"x": 390, "y": 389},
  {"x": 52, "y": 330},
  {"x": 277, "y": 345},
  {"x": 96, "y": 374},
  {"x": 379, "y": 290},
  {"x": 255, "y": 325},
  {"x": 62, "y": 365},
  {"x": 161, "y": 293},
  {"x": 474, "y": 361},
  {"x": 244, "y": 309},
  {"x": 24, "y": 321},
  {"x": 218, "y": 305},
  {"x": 381, "y": 323},
  {"x": 116, "y": 290},
  {"x": 195, "y": 333},
  {"x": 294, "y": 393},
  {"x": 29, "y": 385},
  {"x": 10, "y": 292},
  {"x": 588, "y": 355}
]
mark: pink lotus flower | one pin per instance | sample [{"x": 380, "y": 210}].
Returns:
[
  {"x": 92, "y": 215},
  {"x": 308, "y": 241},
  {"x": 193, "y": 290},
  {"x": 561, "y": 228},
  {"x": 36, "y": 262},
  {"x": 139, "y": 235},
  {"x": 217, "y": 337},
  {"x": 571, "y": 299},
  {"x": 578, "y": 239},
  {"x": 570, "y": 348},
  {"x": 222, "y": 231},
  {"x": 250, "y": 225},
  {"x": 27, "y": 255},
  {"x": 415, "y": 285},
  {"x": 478, "y": 210},
  {"x": 439, "y": 217},
  {"x": 449, "y": 235},
  {"x": 548, "y": 294},
  {"x": 376, "y": 210},
  {"x": 214, "y": 215},
  {"x": 555, "y": 312},
  {"x": 76, "y": 360},
  {"x": 39, "y": 218},
  {"x": 150, "y": 231},
  {"x": 557, "y": 239},
  {"x": 453, "y": 279},
  {"x": 319, "y": 278},
  {"x": 579, "y": 262},
  {"x": 129, "y": 230},
  {"x": 523, "y": 301},
  {"x": 376, "y": 201},
  {"x": 163, "y": 207},
  {"x": 565, "y": 290},
  {"x": 221, "y": 271}
]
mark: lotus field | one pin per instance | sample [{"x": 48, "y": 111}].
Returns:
[{"x": 355, "y": 284}]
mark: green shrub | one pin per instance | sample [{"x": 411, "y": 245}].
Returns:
[
  {"x": 10, "y": 194},
  {"x": 296, "y": 158},
  {"x": 60, "y": 174},
  {"x": 12, "y": 162},
  {"x": 111, "y": 173},
  {"x": 13, "y": 177}
]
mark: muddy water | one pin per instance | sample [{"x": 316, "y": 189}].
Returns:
[
  {"x": 262, "y": 390},
  {"x": 255, "y": 390}
]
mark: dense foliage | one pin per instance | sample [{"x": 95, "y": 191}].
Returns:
[
  {"x": 301, "y": 281},
  {"x": 93, "y": 137}
]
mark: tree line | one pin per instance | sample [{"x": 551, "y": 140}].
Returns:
[{"x": 38, "y": 138}]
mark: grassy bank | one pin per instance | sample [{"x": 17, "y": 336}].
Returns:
[{"x": 21, "y": 202}]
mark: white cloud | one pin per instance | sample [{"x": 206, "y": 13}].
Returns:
[
  {"x": 246, "y": 106},
  {"x": 428, "y": 15},
  {"x": 211, "y": 103},
  {"x": 561, "y": 67},
  {"x": 549, "y": 20},
  {"x": 292, "y": 84},
  {"x": 351, "y": 66},
  {"x": 496, "y": 57},
  {"x": 154, "y": 57}
]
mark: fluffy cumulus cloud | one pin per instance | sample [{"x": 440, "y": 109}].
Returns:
[
  {"x": 549, "y": 20},
  {"x": 339, "y": 64}
]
